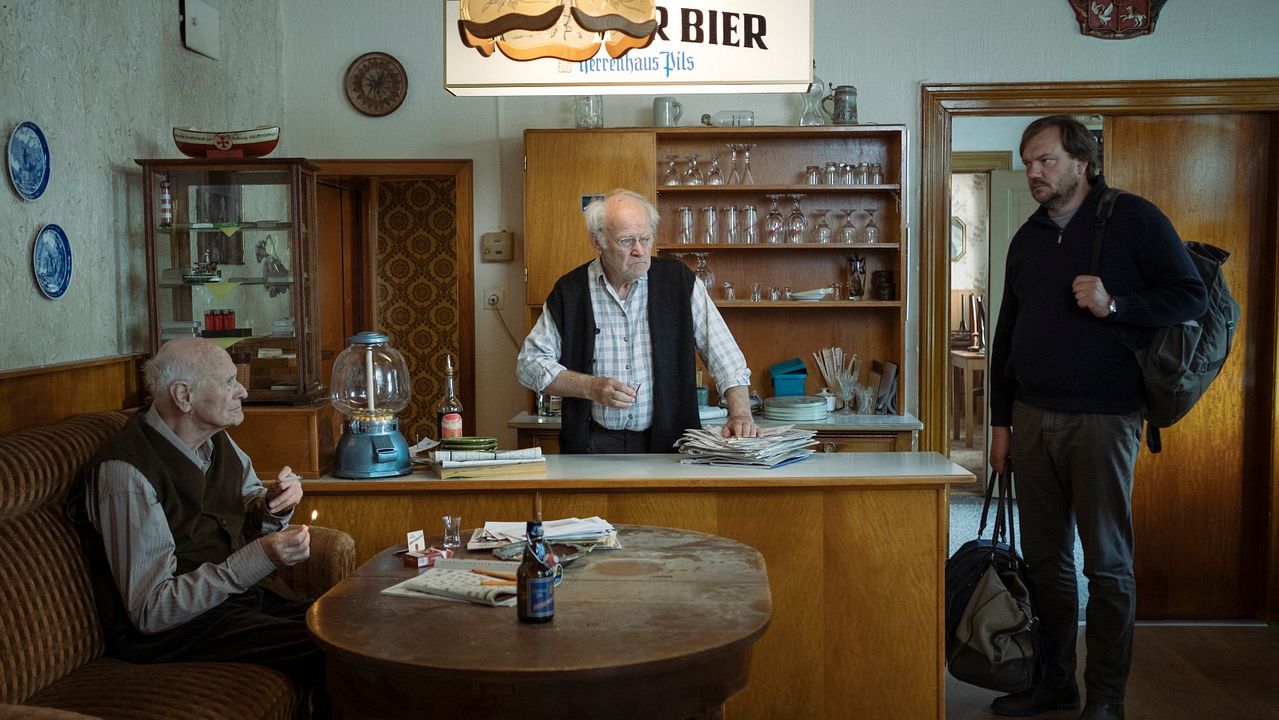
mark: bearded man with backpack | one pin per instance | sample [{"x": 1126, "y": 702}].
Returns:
[{"x": 1067, "y": 403}]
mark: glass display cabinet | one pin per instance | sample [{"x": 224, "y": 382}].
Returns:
[{"x": 231, "y": 257}]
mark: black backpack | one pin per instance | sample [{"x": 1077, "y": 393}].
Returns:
[{"x": 1179, "y": 362}]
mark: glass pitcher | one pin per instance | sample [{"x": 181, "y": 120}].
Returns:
[{"x": 814, "y": 113}]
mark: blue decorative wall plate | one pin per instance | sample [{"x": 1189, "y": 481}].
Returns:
[
  {"x": 28, "y": 160},
  {"x": 51, "y": 261}
]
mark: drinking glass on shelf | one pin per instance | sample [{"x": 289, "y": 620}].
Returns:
[
  {"x": 714, "y": 176},
  {"x": 710, "y": 225},
  {"x": 729, "y": 292},
  {"x": 831, "y": 173},
  {"x": 734, "y": 177},
  {"x": 750, "y": 224},
  {"x": 848, "y": 231},
  {"x": 796, "y": 223},
  {"x": 846, "y": 384},
  {"x": 774, "y": 223},
  {"x": 672, "y": 173},
  {"x": 846, "y": 174},
  {"x": 876, "y": 174},
  {"x": 870, "y": 233},
  {"x": 693, "y": 175},
  {"x": 685, "y": 224},
  {"x": 732, "y": 232},
  {"x": 821, "y": 231},
  {"x": 747, "y": 178},
  {"x": 754, "y": 292},
  {"x": 703, "y": 271}
]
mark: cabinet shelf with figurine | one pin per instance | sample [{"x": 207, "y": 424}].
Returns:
[
  {"x": 806, "y": 225},
  {"x": 230, "y": 256}
]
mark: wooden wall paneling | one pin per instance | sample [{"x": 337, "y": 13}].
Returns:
[
  {"x": 561, "y": 166},
  {"x": 1270, "y": 568},
  {"x": 304, "y": 437},
  {"x": 790, "y": 530},
  {"x": 939, "y": 103},
  {"x": 1203, "y": 171},
  {"x": 41, "y": 395}
]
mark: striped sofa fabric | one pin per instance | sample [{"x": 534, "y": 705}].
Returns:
[{"x": 50, "y": 642}]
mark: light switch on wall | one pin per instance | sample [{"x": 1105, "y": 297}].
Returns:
[{"x": 497, "y": 247}]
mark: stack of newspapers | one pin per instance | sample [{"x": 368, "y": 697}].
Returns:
[
  {"x": 775, "y": 446},
  {"x": 473, "y": 463},
  {"x": 577, "y": 531}
]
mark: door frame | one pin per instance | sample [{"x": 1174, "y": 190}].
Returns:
[
  {"x": 373, "y": 172},
  {"x": 941, "y": 102}
]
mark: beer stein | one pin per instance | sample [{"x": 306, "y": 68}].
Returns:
[
  {"x": 685, "y": 224},
  {"x": 843, "y": 109}
]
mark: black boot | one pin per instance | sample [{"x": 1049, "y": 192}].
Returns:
[
  {"x": 1038, "y": 700},
  {"x": 1102, "y": 711}
]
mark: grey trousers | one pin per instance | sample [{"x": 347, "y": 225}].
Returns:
[{"x": 1075, "y": 469}]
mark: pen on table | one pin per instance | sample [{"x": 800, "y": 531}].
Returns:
[
  {"x": 498, "y": 583},
  {"x": 494, "y": 574}
]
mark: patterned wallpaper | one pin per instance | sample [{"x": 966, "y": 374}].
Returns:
[
  {"x": 417, "y": 289},
  {"x": 107, "y": 82}
]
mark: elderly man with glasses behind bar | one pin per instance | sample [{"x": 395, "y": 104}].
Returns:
[{"x": 617, "y": 338}]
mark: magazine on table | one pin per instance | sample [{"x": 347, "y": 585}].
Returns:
[{"x": 458, "y": 585}]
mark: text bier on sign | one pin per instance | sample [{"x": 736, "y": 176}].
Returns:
[{"x": 619, "y": 47}]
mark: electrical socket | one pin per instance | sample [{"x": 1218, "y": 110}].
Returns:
[{"x": 494, "y": 299}]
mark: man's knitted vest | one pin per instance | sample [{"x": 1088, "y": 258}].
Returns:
[
  {"x": 670, "y": 324},
  {"x": 205, "y": 511}
]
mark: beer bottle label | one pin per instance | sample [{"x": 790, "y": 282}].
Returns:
[
  {"x": 451, "y": 425},
  {"x": 541, "y": 597}
]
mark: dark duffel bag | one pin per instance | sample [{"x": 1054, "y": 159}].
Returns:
[{"x": 992, "y": 633}]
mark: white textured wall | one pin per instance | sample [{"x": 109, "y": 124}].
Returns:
[
  {"x": 106, "y": 81},
  {"x": 130, "y": 81}
]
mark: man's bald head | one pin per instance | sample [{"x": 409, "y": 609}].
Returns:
[{"x": 192, "y": 360}]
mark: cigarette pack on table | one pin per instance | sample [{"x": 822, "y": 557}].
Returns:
[{"x": 426, "y": 558}]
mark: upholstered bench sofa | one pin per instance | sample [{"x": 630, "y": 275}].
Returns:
[{"x": 51, "y": 646}]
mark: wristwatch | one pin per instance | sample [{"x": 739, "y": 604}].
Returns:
[{"x": 1113, "y": 307}]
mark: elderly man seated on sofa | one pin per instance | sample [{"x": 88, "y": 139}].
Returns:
[{"x": 182, "y": 536}]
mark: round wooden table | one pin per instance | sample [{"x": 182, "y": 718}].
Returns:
[{"x": 661, "y": 628}]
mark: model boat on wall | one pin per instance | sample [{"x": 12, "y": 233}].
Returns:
[{"x": 240, "y": 143}]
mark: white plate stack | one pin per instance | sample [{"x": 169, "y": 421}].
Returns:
[
  {"x": 812, "y": 295},
  {"x": 795, "y": 408}
]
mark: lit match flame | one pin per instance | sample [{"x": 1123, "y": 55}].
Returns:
[{"x": 314, "y": 514}]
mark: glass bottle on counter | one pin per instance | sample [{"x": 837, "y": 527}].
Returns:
[
  {"x": 535, "y": 578},
  {"x": 449, "y": 413}
]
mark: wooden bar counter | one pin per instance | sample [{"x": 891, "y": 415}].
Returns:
[{"x": 855, "y": 545}]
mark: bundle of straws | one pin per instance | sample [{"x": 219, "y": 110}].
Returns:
[{"x": 831, "y": 364}]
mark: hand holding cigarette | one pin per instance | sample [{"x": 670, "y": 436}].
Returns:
[{"x": 286, "y": 493}]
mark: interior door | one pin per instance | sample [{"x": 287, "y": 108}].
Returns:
[
  {"x": 1200, "y": 506},
  {"x": 1010, "y": 204},
  {"x": 337, "y": 264}
]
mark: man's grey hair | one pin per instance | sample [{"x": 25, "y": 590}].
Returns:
[
  {"x": 165, "y": 369},
  {"x": 596, "y": 215}
]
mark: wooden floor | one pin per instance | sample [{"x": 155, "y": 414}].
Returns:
[{"x": 1178, "y": 673}]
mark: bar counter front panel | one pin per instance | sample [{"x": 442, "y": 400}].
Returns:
[{"x": 855, "y": 545}]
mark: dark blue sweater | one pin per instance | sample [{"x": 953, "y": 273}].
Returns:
[{"x": 1053, "y": 354}]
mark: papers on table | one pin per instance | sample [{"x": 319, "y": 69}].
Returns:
[
  {"x": 590, "y": 531},
  {"x": 456, "y": 584},
  {"x": 775, "y": 446},
  {"x": 473, "y": 463}
]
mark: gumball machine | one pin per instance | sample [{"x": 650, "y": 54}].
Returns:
[{"x": 370, "y": 387}]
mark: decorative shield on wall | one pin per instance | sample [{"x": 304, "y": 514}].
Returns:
[{"x": 1116, "y": 19}]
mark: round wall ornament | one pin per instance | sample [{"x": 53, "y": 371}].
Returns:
[{"x": 376, "y": 84}]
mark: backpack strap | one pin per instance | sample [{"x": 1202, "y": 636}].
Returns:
[{"x": 1104, "y": 208}]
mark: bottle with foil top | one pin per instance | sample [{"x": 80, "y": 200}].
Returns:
[
  {"x": 535, "y": 578},
  {"x": 166, "y": 204},
  {"x": 449, "y": 412}
]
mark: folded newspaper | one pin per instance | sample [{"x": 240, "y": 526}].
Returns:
[
  {"x": 775, "y": 446},
  {"x": 455, "y": 584}
]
